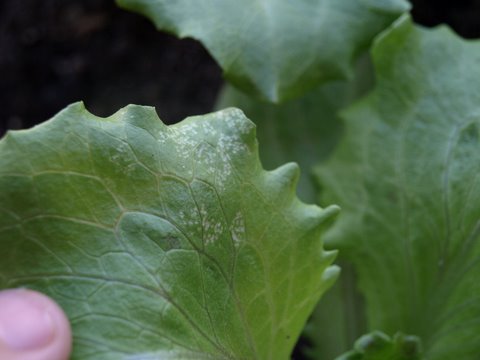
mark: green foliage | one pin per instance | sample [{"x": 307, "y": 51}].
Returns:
[
  {"x": 174, "y": 243},
  {"x": 161, "y": 242},
  {"x": 378, "y": 346},
  {"x": 290, "y": 131},
  {"x": 276, "y": 49},
  {"x": 407, "y": 177},
  {"x": 304, "y": 130}
]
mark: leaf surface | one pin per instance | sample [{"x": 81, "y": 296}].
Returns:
[
  {"x": 161, "y": 242},
  {"x": 408, "y": 176},
  {"x": 276, "y": 49},
  {"x": 378, "y": 346},
  {"x": 304, "y": 130}
]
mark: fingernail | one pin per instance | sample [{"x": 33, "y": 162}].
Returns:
[{"x": 25, "y": 323}]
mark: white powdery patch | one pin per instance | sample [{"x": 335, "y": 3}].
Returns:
[
  {"x": 123, "y": 160},
  {"x": 186, "y": 138},
  {"x": 231, "y": 144},
  {"x": 161, "y": 136},
  {"x": 235, "y": 121},
  {"x": 206, "y": 158},
  {"x": 212, "y": 229},
  {"x": 237, "y": 230},
  {"x": 189, "y": 218},
  {"x": 121, "y": 152},
  {"x": 220, "y": 144},
  {"x": 227, "y": 146},
  {"x": 188, "y": 135},
  {"x": 210, "y": 130}
]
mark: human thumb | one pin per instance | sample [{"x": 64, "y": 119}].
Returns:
[{"x": 32, "y": 327}]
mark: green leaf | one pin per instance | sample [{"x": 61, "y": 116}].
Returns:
[
  {"x": 338, "y": 319},
  {"x": 303, "y": 130},
  {"x": 161, "y": 242},
  {"x": 276, "y": 49},
  {"x": 408, "y": 176},
  {"x": 379, "y": 346},
  {"x": 306, "y": 130}
]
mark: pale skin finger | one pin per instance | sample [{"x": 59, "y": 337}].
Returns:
[{"x": 32, "y": 327}]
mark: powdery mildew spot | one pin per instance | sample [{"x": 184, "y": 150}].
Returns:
[
  {"x": 185, "y": 138},
  {"x": 212, "y": 229},
  {"x": 230, "y": 142},
  {"x": 235, "y": 120},
  {"x": 213, "y": 143},
  {"x": 189, "y": 218},
  {"x": 237, "y": 230},
  {"x": 206, "y": 158}
]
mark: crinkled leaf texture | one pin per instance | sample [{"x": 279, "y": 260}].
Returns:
[
  {"x": 408, "y": 176},
  {"x": 276, "y": 49},
  {"x": 379, "y": 346},
  {"x": 161, "y": 242}
]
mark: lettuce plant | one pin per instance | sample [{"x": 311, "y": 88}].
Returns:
[
  {"x": 164, "y": 242},
  {"x": 276, "y": 49},
  {"x": 174, "y": 242}
]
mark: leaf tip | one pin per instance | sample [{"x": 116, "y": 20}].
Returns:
[
  {"x": 315, "y": 218},
  {"x": 331, "y": 210},
  {"x": 332, "y": 272},
  {"x": 132, "y": 112},
  {"x": 287, "y": 176},
  {"x": 73, "y": 108},
  {"x": 409, "y": 345},
  {"x": 237, "y": 122}
]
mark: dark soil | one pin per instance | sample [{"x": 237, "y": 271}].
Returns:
[{"x": 55, "y": 52}]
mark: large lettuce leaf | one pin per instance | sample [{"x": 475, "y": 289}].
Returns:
[
  {"x": 276, "y": 49},
  {"x": 161, "y": 242},
  {"x": 408, "y": 176}
]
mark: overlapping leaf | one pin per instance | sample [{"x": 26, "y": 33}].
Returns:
[
  {"x": 161, "y": 242},
  {"x": 276, "y": 49},
  {"x": 408, "y": 176},
  {"x": 379, "y": 346},
  {"x": 304, "y": 130}
]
